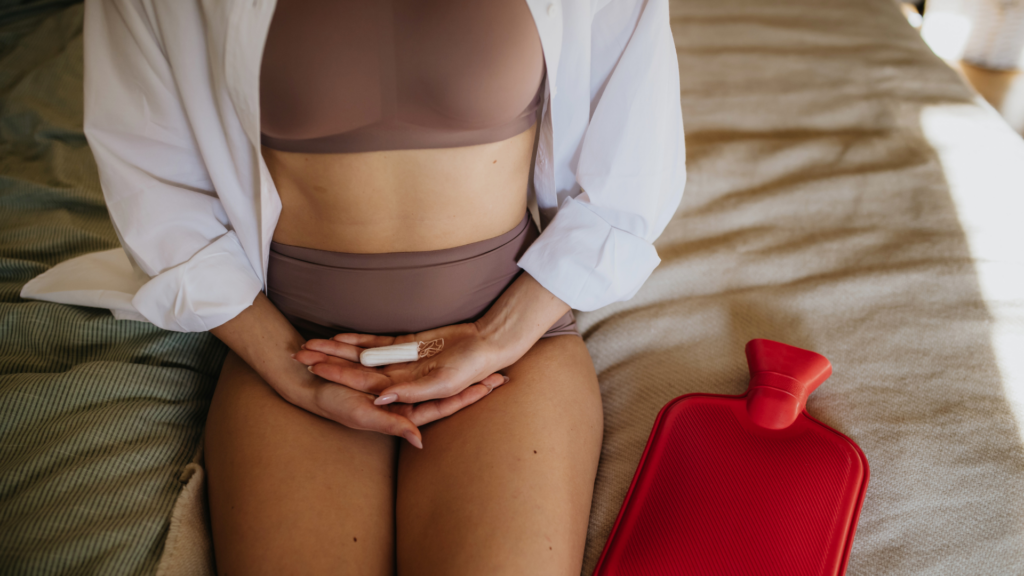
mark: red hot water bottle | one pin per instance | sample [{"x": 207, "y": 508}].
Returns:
[{"x": 748, "y": 484}]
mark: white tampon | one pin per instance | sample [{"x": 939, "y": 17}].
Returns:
[{"x": 400, "y": 352}]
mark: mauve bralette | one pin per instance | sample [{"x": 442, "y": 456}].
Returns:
[{"x": 362, "y": 75}]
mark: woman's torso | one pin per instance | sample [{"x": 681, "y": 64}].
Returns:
[{"x": 399, "y": 126}]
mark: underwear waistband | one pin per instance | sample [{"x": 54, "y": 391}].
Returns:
[{"x": 399, "y": 260}]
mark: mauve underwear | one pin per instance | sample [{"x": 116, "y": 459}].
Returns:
[
  {"x": 358, "y": 75},
  {"x": 324, "y": 293}
]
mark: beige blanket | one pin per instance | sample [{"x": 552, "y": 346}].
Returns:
[{"x": 847, "y": 194}]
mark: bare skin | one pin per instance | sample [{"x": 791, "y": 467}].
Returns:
[
  {"x": 401, "y": 200},
  {"x": 306, "y": 475}
]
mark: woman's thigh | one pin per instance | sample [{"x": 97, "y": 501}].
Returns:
[
  {"x": 504, "y": 486},
  {"x": 293, "y": 493}
]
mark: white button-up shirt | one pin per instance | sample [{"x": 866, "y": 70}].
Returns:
[{"x": 172, "y": 118}]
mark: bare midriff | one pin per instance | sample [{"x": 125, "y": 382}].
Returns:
[{"x": 401, "y": 200}]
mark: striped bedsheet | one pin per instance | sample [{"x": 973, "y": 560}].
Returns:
[{"x": 98, "y": 417}]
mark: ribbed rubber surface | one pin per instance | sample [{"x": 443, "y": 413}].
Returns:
[{"x": 715, "y": 495}]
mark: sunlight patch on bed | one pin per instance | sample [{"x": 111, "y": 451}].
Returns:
[{"x": 981, "y": 159}]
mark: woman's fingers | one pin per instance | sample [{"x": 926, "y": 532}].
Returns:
[
  {"x": 355, "y": 376},
  {"x": 438, "y": 385},
  {"x": 363, "y": 340},
  {"x": 354, "y": 409},
  {"x": 309, "y": 358},
  {"x": 427, "y": 412},
  {"x": 494, "y": 380},
  {"x": 346, "y": 350}
]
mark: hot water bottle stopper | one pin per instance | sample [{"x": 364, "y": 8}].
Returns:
[{"x": 743, "y": 485}]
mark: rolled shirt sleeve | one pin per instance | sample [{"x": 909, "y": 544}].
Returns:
[
  {"x": 598, "y": 247},
  {"x": 162, "y": 201}
]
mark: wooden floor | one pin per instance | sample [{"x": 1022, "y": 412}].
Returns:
[{"x": 1004, "y": 90}]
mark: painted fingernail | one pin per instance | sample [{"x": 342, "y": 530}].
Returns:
[
  {"x": 413, "y": 440},
  {"x": 386, "y": 399}
]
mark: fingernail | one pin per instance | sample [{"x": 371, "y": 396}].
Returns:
[
  {"x": 386, "y": 399},
  {"x": 413, "y": 440},
  {"x": 310, "y": 368},
  {"x": 303, "y": 346},
  {"x": 293, "y": 355},
  {"x": 506, "y": 380}
]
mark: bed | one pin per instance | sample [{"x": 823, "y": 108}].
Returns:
[{"x": 847, "y": 194}]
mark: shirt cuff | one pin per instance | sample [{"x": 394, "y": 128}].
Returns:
[
  {"x": 207, "y": 290},
  {"x": 586, "y": 262}
]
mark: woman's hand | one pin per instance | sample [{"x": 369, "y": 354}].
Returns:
[
  {"x": 267, "y": 342},
  {"x": 435, "y": 387},
  {"x": 353, "y": 408},
  {"x": 423, "y": 390}
]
